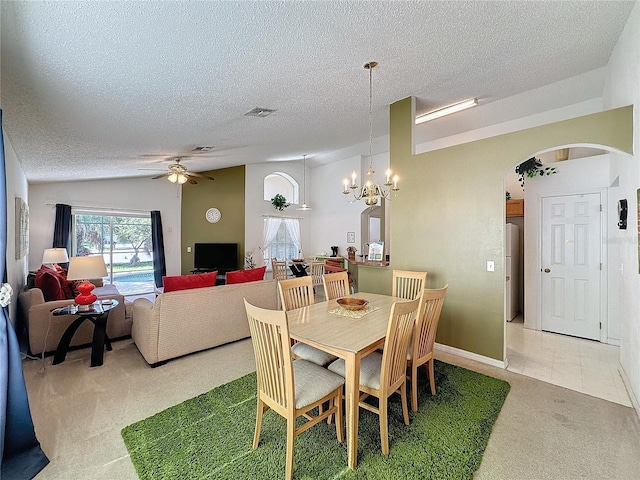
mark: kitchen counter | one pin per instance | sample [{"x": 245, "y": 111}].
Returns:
[{"x": 360, "y": 262}]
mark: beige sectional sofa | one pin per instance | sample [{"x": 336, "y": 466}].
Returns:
[
  {"x": 187, "y": 321},
  {"x": 44, "y": 329}
]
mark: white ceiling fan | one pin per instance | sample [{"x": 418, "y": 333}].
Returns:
[{"x": 178, "y": 173}]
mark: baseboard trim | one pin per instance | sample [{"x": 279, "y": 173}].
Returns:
[
  {"x": 627, "y": 385},
  {"x": 471, "y": 356}
]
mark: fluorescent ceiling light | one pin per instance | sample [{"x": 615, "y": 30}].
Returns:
[{"x": 441, "y": 112}]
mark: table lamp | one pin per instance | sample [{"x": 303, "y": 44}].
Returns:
[
  {"x": 83, "y": 268},
  {"x": 51, "y": 256}
]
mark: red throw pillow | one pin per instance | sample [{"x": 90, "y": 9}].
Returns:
[
  {"x": 242, "y": 276},
  {"x": 50, "y": 282},
  {"x": 186, "y": 282}
]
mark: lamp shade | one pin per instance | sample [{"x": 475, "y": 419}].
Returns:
[
  {"x": 55, "y": 255},
  {"x": 90, "y": 266}
]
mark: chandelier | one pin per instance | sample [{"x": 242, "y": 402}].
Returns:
[
  {"x": 304, "y": 206},
  {"x": 371, "y": 190}
]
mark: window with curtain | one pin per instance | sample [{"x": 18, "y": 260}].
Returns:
[
  {"x": 281, "y": 239},
  {"x": 124, "y": 240}
]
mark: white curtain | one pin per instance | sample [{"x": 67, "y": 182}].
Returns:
[
  {"x": 293, "y": 227},
  {"x": 271, "y": 227}
]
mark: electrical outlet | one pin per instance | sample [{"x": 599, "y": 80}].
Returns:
[
  {"x": 491, "y": 267},
  {"x": 188, "y": 249}
]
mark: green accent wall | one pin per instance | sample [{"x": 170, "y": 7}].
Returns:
[
  {"x": 449, "y": 216},
  {"x": 227, "y": 194}
]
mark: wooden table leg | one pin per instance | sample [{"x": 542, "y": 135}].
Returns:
[{"x": 352, "y": 390}]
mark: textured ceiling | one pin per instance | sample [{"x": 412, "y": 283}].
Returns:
[{"x": 107, "y": 84}]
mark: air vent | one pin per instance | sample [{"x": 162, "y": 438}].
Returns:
[
  {"x": 202, "y": 149},
  {"x": 259, "y": 112}
]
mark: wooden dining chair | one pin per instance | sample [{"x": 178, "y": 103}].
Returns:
[
  {"x": 298, "y": 293},
  {"x": 408, "y": 284},
  {"x": 336, "y": 285},
  {"x": 421, "y": 348},
  {"x": 317, "y": 271},
  {"x": 291, "y": 388},
  {"x": 383, "y": 374},
  {"x": 278, "y": 269}
]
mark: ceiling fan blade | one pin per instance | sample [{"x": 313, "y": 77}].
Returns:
[
  {"x": 191, "y": 180},
  {"x": 161, "y": 176},
  {"x": 201, "y": 176}
]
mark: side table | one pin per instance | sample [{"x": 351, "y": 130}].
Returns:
[{"x": 98, "y": 316}]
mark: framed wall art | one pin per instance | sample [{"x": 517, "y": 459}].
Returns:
[{"x": 22, "y": 228}]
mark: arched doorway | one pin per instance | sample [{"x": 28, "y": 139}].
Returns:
[{"x": 529, "y": 349}]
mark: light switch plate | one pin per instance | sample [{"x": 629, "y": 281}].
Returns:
[{"x": 491, "y": 267}]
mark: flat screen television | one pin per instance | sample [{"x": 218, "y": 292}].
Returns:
[{"x": 215, "y": 256}]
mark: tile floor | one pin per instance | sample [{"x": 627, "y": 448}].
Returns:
[{"x": 582, "y": 365}]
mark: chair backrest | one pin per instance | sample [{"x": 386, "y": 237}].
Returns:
[
  {"x": 317, "y": 271},
  {"x": 272, "y": 349},
  {"x": 427, "y": 322},
  {"x": 278, "y": 269},
  {"x": 408, "y": 284},
  {"x": 336, "y": 285},
  {"x": 296, "y": 292},
  {"x": 394, "y": 358}
]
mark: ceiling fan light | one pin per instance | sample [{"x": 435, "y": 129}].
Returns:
[
  {"x": 181, "y": 178},
  {"x": 173, "y": 178}
]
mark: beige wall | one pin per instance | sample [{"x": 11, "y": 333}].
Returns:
[
  {"x": 137, "y": 194},
  {"x": 227, "y": 194},
  {"x": 452, "y": 204},
  {"x": 16, "y": 187}
]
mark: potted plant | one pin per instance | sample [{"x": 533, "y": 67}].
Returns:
[
  {"x": 532, "y": 168},
  {"x": 351, "y": 251},
  {"x": 279, "y": 202}
]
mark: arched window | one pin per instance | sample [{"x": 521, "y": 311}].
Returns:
[{"x": 282, "y": 183}]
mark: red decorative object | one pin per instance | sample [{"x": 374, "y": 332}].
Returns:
[
  {"x": 186, "y": 282},
  {"x": 85, "y": 299},
  {"x": 249, "y": 275}
]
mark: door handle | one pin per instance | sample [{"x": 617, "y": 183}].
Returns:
[{"x": 546, "y": 270}]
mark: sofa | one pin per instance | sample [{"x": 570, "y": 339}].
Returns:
[
  {"x": 44, "y": 329},
  {"x": 187, "y": 321}
]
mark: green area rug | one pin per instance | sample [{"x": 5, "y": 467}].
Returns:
[{"x": 210, "y": 436}]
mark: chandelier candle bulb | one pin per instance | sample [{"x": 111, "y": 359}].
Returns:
[
  {"x": 395, "y": 182},
  {"x": 388, "y": 177}
]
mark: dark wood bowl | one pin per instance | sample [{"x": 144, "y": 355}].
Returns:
[{"x": 349, "y": 303}]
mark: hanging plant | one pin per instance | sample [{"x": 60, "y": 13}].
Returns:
[
  {"x": 279, "y": 202},
  {"x": 532, "y": 168}
]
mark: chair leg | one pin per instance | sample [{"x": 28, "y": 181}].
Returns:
[
  {"x": 256, "y": 435},
  {"x": 405, "y": 408},
  {"x": 291, "y": 441},
  {"x": 339, "y": 415},
  {"x": 384, "y": 426},
  {"x": 432, "y": 378},
  {"x": 414, "y": 387}
]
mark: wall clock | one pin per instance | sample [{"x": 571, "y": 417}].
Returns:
[{"x": 213, "y": 215}]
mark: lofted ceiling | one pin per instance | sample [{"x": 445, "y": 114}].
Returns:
[{"x": 94, "y": 89}]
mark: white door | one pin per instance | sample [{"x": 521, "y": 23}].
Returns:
[{"x": 571, "y": 265}]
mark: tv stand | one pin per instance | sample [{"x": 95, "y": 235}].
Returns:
[{"x": 202, "y": 270}]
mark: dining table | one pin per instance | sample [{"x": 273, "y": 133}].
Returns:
[{"x": 350, "y": 335}]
